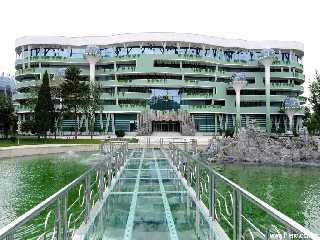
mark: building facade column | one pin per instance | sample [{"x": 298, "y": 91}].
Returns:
[
  {"x": 22, "y": 55},
  {"x": 215, "y": 124},
  {"x": 93, "y": 55},
  {"x": 266, "y": 59},
  {"x": 113, "y": 124},
  {"x": 238, "y": 83},
  {"x": 29, "y": 56}
]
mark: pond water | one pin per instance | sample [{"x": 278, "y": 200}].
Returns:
[
  {"x": 26, "y": 181},
  {"x": 295, "y": 191}
]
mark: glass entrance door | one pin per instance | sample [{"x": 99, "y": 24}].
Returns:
[{"x": 166, "y": 126}]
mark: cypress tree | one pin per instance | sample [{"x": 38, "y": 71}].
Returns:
[{"x": 44, "y": 110}]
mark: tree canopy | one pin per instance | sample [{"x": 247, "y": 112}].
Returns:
[
  {"x": 7, "y": 115},
  {"x": 313, "y": 121}
]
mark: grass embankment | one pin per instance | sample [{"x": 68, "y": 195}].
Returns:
[{"x": 35, "y": 141}]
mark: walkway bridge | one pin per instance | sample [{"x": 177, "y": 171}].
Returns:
[{"x": 153, "y": 193}]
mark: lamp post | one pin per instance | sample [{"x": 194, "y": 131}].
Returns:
[
  {"x": 291, "y": 107},
  {"x": 238, "y": 83},
  {"x": 266, "y": 58}
]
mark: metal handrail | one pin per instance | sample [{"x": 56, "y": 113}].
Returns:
[
  {"x": 41, "y": 206},
  {"x": 181, "y": 159},
  {"x": 118, "y": 153}
]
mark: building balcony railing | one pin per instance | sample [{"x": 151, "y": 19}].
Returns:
[
  {"x": 20, "y": 96},
  {"x": 125, "y": 108},
  {"x": 288, "y": 75},
  {"x": 23, "y": 108},
  {"x": 197, "y": 95},
  {"x": 203, "y": 108},
  {"x": 126, "y": 95},
  {"x": 253, "y": 98},
  {"x": 287, "y": 86}
]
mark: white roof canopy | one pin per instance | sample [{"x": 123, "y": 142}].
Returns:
[{"x": 182, "y": 39}]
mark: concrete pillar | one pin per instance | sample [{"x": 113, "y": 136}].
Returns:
[
  {"x": 101, "y": 121},
  {"x": 226, "y": 122},
  {"x": 285, "y": 122},
  {"x": 93, "y": 56},
  {"x": 22, "y": 54},
  {"x": 116, "y": 90},
  {"x": 113, "y": 123},
  {"x": 267, "y": 63},
  {"x": 29, "y": 56},
  {"x": 68, "y": 51},
  {"x": 215, "y": 124},
  {"x": 220, "y": 121},
  {"x": 107, "y": 123},
  {"x": 238, "y": 83},
  {"x": 92, "y": 72}
]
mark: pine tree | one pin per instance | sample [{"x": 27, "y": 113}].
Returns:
[
  {"x": 44, "y": 110},
  {"x": 75, "y": 94}
]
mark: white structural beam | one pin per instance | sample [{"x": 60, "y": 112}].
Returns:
[
  {"x": 133, "y": 206},
  {"x": 170, "y": 221},
  {"x": 181, "y": 38}
]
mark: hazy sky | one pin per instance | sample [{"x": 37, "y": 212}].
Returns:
[{"x": 247, "y": 19}]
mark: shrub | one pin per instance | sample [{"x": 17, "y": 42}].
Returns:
[
  {"x": 119, "y": 133},
  {"x": 229, "y": 132},
  {"x": 28, "y": 126},
  {"x": 13, "y": 139}
]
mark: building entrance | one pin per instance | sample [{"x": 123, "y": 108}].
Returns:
[{"x": 165, "y": 126}]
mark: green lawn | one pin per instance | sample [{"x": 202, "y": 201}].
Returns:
[{"x": 35, "y": 140}]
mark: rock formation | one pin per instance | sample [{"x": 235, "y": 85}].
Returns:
[{"x": 253, "y": 145}]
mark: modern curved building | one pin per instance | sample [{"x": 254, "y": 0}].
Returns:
[{"x": 170, "y": 81}]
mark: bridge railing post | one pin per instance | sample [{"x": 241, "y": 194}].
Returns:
[
  {"x": 101, "y": 183},
  {"x": 65, "y": 216},
  {"x": 58, "y": 220},
  {"x": 237, "y": 215},
  {"x": 212, "y": 192},
  {"x": 10, "y": 237},
  {"x": 87, "y": 198},
  {"x": 198, "y": 198}
]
